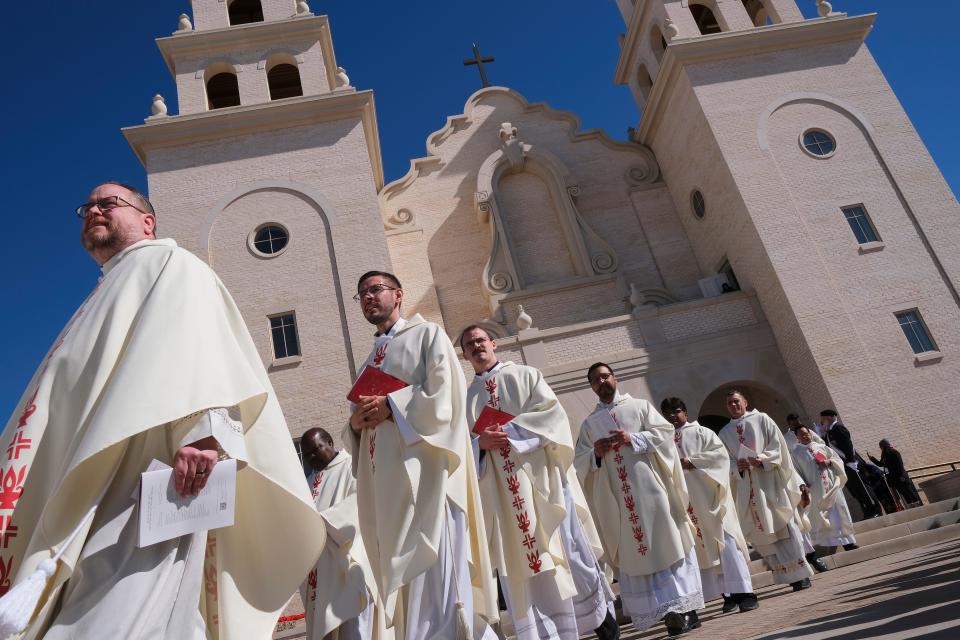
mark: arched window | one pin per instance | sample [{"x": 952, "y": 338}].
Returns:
[
  {"x": 284, "y": 81},
  {"x": 223, "y": 91},
  {"x": 657, "y": 42},
  {"x": 706, "y": 21},
  {"x": 245, "y": 11},
  {"x": 757, "y": 12},
  {"x": 644, "y": 82}
]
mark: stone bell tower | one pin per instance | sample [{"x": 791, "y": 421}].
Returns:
[
  {"x": 270, "y": 173},
  {"x": 794, "y": 166}
]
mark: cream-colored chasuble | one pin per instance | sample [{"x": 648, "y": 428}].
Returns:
[
  {"x": 641, "y": 498},
  {"x": 523, "y": 491},
  {"x": 410, "y": 467},
  {"x": 712, "y": 509},
  {"x": 338, "y": 591},
  {"x": 826, "y": 492},
  {"x": 159, "y": 339},
  {"x": 766, "y": 496}
]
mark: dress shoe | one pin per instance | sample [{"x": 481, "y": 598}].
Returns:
[
  {"x": 800, "y": 585},
  {"x": 816, "y": 562},
  {"x": 747, "y": 602},
  {"x": 678, "y": 623},
  {"x": 609, "y": 630},
  {"x": 729, "y": 603},
  {"x": 851, "y": 546}
]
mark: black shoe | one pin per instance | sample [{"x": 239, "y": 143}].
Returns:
[
  {"x": 729, "y": 603},
  {"x": 816, "y": 562},
  {"x": 609, "y": 630},
  {"x": 678, "y": 623},
  {"x": 851, "y": 546},
  {"x": 748, "y": 602},
  {"x": 800, "y": 585}
]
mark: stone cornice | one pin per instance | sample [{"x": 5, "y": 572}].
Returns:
[
  {"x": 210, "y": 42},
  {"x": 732, "y": 44},
  {"x": 174, "y": 131}
]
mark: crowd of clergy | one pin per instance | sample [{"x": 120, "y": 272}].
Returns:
[{"x": 451, "y": 501}]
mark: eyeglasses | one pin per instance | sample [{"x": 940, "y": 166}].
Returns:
[
  {"x": 372, "y": 291},
  {"x": 602, "y": 377},
  {"x": 104, "y": 204}
]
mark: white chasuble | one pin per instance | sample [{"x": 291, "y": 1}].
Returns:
[
  {"x": 641, "y": 498},
  {"x": 415, "y": 475},
  {"x": 158, "y": 343},
  {"x": 766, "y": 496},
  {"x": 712, "y": 509},
  {"x": 828, "y": 514},
  {"x": 527, "y": 490},
  {"x": 336, "y": 596}
]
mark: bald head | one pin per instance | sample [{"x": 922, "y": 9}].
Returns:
[{"x": 115, "y": 216}]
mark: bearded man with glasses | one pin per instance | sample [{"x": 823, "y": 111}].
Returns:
[
  {"x": 417, "y": 493},
  {"x": 156, "y": 365}
]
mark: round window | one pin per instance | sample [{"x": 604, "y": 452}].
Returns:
[
  {"x": 819, "y": 143},
  {"x": 269, "y": 239},
  {"x": 698, "y": 204}
]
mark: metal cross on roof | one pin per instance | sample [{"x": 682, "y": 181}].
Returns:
[{"x": 478, "y": 60}]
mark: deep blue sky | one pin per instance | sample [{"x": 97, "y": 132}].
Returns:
[{"x": 75, "y": 72}]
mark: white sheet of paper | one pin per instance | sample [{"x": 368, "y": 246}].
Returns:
[
  {"x": 600, "y": 424},
  {"x": 745, "y": 452},
  {"x": 164, "y": 514}
]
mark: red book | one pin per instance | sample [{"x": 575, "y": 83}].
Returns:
[
  {"x": 819, "y": 457},
  {"x": 374, "y": 382},
  {"x": 490, "y": 418}
]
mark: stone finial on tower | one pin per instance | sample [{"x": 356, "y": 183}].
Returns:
[
  {"x": 184, "y": 23},
  {"x": 158, "y": 108},
  {"x": 824, "y": 8},
  {"x": 524, "y": 321},
  {"x": 303, "y": 9},
  {"x": 670, "y": 30},
  {"x": 343, "y": 80}
]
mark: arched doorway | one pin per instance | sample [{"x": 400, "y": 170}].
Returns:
[{"x": 713, "y": 411}]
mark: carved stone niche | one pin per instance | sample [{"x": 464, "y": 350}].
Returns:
[{"x": 590, "y": 255}]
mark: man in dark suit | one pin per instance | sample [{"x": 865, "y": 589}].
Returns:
[
  {"x": 838, "y": 437},
  {"x": 897, "y": 474}
]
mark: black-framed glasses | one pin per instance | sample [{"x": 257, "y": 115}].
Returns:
[
  {"x": 372, "y": 291},
  {"x": 106, "y": 203}
]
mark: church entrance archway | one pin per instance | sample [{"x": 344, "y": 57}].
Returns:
[{"x": 713, "y": 410}]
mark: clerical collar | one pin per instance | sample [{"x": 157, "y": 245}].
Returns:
[
  {"x": 492, "y": 370},
  {"x": 115, "y": 259},
  {"x": 392, "y": 331}
]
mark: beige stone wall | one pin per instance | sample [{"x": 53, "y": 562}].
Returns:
[
  {"x": 774, "y": 211},
  {"x": 440, "y": 244}
]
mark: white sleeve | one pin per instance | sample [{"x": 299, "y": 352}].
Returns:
[
  {"x": 477, "y": 460},
  {"x": 407, "y": 432},
  {"x": 221, "y": 423},
  {"x": 522, "y": 440},
  {"x": 640, "y": 443}
]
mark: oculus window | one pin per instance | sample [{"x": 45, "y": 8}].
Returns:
[
  {"x": 698, "y": 204},
  {"x": 860, "y": 224},
  {"x": 916, "y": 331},
  {"x": 269, "y": 239},
  {"x": 819, "y": 143},
  {"x": 283, "y": 329}
]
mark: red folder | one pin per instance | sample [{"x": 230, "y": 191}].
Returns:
[
  {"x": 374, "y": 382},
  {"x": 490, "y": 418}
]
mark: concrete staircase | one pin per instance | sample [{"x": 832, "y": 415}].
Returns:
[{"x": 886, "y": 535}]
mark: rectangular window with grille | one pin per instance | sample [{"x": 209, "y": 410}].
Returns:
[
  {"x": 860, "y": 224},
  {"x": 916, "y": 331},
  {"x": 284, "y": 331}
]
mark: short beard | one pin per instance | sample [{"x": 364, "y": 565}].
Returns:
[
  {"x": 109, "y": 241},
  {"x": 379, "y": 318}
]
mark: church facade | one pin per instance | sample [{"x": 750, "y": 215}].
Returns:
[{"x": 774, "y": 223}]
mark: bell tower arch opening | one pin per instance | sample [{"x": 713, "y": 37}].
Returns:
[{"x": 713, "y": 410}]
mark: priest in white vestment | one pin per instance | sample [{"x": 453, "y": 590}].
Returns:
[
  {"x": 156, "y": 364},
  {"x": 417, "y": 492},
  {"x": 822, "y": 471},
  {"x": 721, "y": 549},
  {"x": 542, "y": 538},
  {"x": 337, "y": 599},
  {"x": 626, "y": 456},
  {"x": 766, "y": 491}
]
